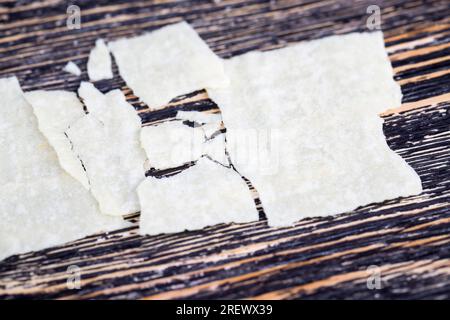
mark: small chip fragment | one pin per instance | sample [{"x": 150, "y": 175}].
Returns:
[
  {"x": 99, "y": 66},
  {"x": 302, "y": 125},
  {"x": 72, "y": 68},
  {"x": 56, "y": 111},
  {"x": 41, "y": 205},
  {"x": 166, "y": 63},
  {"x": 171, "y": 144},
  {"x": 107, "y": 142},
  {"x": 202, "y": 195}
]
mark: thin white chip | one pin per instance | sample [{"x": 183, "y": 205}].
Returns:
[
  {"x": 99, "y": 66},
  {"x": 72, "y": 68},
  {"x": 56, "y": 111},
  {"x": 302, "y": 126},
  {"x": 171, "y": 144},
  {"x": 166, "y": 63},
  {"x": 202, "y": 195},
  {"x": 107, "y": 142},
  {"x": 41, "y": 204}
]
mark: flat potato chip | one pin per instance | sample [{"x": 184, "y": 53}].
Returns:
[
  {"x": 107, "y": 142},
  {"x": 56, "y": 111},
  {"x": 41, "y": 205},
  {"x": 202, "y": 195},
  {"x": 302, "y": 125},
  {"x": 163, "y": 64}
]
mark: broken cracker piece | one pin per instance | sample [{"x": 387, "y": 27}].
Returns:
[
  {"x": 203, "y": 195},
  {"x": 48, "y": 212},
  {"x": 171, "y": 144},
  {"x": 56, "y": 111},
  {"x": 107, "y": 142},
  {"x": 166, "y": 63},
  {"x": 42, "y": 206},
  {"x": 302, "y": 125},
  {"x": 99, "y": 66}
]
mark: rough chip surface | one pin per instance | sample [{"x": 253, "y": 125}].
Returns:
[
  {"x": 41, "y": 205},
  {"x": 107, "y": 142},
  {"x": 56, "y": 111},
  {"x": 302, "y": 125},
  {"x": 202, "y": 195},
  {"x": 99, "y": 66},
  {"x": 166, "y": 63}
]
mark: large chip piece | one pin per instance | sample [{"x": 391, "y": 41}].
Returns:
[
  {"x": 56, "y": 111},
  {"x": 41, "y": 205},
  {"x": 302, "y": 125},
  {"x": 107, "y": 142},
  {"x": 202, "y": 195},
  {"x": 166, "y": 63}
]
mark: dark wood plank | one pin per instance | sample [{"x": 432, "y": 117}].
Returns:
[{"x": 408, "y": 238}]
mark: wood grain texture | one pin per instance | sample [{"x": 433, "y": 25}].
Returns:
[{"x": 407, "y": 238}]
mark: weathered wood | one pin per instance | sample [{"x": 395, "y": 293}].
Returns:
[{"x": 408, "y": 238}]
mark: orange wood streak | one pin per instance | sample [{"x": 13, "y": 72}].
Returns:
[
  {"x": 424, "y": 77},
  {"x": 418, "y": 52},
  {"x": 362, "y": 276},
  {"x": 418, "y": 104},
  {"x": 420, "y": 64},
  {"x": 177, "y": 294},
  {"x": 434, "y": 28}
]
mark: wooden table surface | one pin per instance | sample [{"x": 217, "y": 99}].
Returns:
[{"x": 407, "y": 239}]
